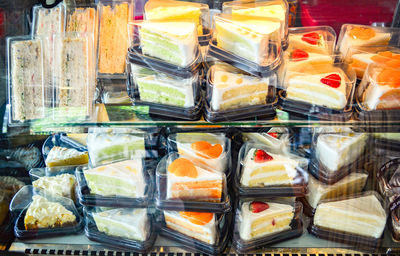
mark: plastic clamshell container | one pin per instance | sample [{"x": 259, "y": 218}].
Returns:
[
  {"x": 277, "y": 139},
  {"x": 354, "y": 35},
  {"x": 394, "y": 226},
  {"x": 170, "y": 10},
  {"x": 295, "y": 229},
  {"x": 298, "y": 177},
  {"x": 113, "y": 92},
  {"x": 20, "y": 204},
  {"x": 376, "y": 98},
  {"x": 94, "y": 234},
  {"x": 83, "y": 19},
  {"x": 312, "y": 80},
  {"x": 27, "y": 99},
  {"x": 387, "y": 140},
  {"x": 223, "y": 222},
  {"x": 164, "y": 201},
  {"x": 325, "y": 150},
  {"x": 359, "y": 241},
  {"x": 265, "y": 42},
  {"x": 246, "y": 96},
  {"x": 48, "y": 21},
  {"x": 113, "y": 38},
  {"x": 278, "y": 9},
  {"x": 313, "y": 40},
  {"x": 388, "y": 178},
  {"x": 87, "y": 198}
]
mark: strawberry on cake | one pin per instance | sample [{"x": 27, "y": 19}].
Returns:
[
  {"x": 297, "y": 58},
  {"x": 315, "y": 41}
]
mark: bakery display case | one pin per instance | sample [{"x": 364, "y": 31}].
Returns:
[{"x": 201, "y": 127}]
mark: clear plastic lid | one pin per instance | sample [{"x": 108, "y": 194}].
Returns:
[
  {"x": 113, "y": 92},
  {"x": 395, "y": 224},
  {"x": 284, "y": 219},
  {"x": 174, "y": 42},
  {"x": 277, "y": 139},
  {"x": 182, "y": 185},
  {"x": 113, "y": 39},
  {"x": 388, "y": 177},
  {"x": 354, "y": 36},
  {"x": 266, "y": 8},
  {"x": 261, "y": 173},
  {"x": 204, "y": 149},
  {"x": 83, "y": 19},
  {"x": 74, "y": 80},
  {"x": 316, "y": 40},
  {"x": 256, "y": 40},
  {"x": 27, "y": 84}
]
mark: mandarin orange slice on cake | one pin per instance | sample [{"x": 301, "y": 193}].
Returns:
[
  {"x": 207, "y": 150},
  {"x": 362, "y": 33},
  {"x": 183, "y": 167},
  {"x": 198, "y": 218}
]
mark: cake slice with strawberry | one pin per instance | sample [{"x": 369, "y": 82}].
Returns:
[
  {"x": 295, "y": 59},
  {"x": 315, "y": 42},
  {"x": 261, "y": 168},
  {"x": 260, "y": 218}
]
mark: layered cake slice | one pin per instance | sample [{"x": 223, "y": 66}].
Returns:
[
  {"x": 248, "y": 37},
  {"x": 349, "y": 185},
  {"x": 362, "y": 216},
  {"x": 261, "y": 168},
  {"x": 296, "y": 59},
  {"x": 59, "y": 156},
  {"x": 315, "y": 42},
  {"x": 42, "y": 213},
  {"x": 231, "y": 88},
  {"x": 186, "y": 181},
  {"x": 259, "y": 219},
  {"x": 117, "y": 179},
  {"x": 60, "y": 185},
  {"x": 199, "y": 225},
  {"x": 172, "y": 41},
  {"x": 334, "y": 151},
  {"x": 123, "y": 222}
]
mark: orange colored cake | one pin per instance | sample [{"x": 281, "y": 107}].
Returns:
[{"x": 360, "y": 61}]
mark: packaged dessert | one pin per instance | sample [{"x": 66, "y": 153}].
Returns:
[
  {"x": 334, "y": 154},
  {"x": 316, "y": 41},
  {"x": 262, "y": 222},
  {"x": 395, "y": 224},
  {"x": 319, "y": 91},
  {"x": 114, "y": 93},
  {"x": 127, "y": 183},
  {"x": 277, "y": 139},
  {"x": 26, "y": 82},
  {"x": 266, "y": 8},
  {"x": 232, "y": 94},
  {"x": 113, "y": 41},
  {"x": 42, "y": 215},
  {"x": 387, "y": 141},
  {"x": 261, "y": 173},
  {"x": 203, "y": 232},
  {"x": 354, "y": 36},
  {"x": 362, "y": 220},
  {"x": 170, "y": 10},
  {"x": 183, "y": 185},
  {"x": 388, "y": 177},
  {"x": 127, "y": 228},
  {"x": 249, "y": 43}
]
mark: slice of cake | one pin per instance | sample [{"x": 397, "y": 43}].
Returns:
[
  {"x": 123, "y": 222},
  {"x": 204, "y": 149},
  {"x": 324, "y": 86},
  {"x": 231, "y": 88},
  {"x": 259, "y": 219},
  {"x": 334, "y": 151},
  {"x": 248, "y": 37},
  {"x": 42, "y": 213},
  {"x": 360, "y": 61},
  {"x": 60, "y": 185},
  {"x": 172, "y": 41},
  {"x": 186, "y": 181},
  {"x": 315, "y": 42},
  {"x": 296, "y": 59},
  {"x": 349, "y": 185},
  {"x": 162, "y": 88},
  {"x": 117, "y": 179},
  {"x": 362, "y": 216},
  {"x": 265, "y": 169},
  {"x": 59, "y": 156},
  {"x": 199, "y": 225}
]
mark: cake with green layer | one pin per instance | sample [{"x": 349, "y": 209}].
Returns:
[
  {"x": 123, "y": 222},
  {"x": 172, "y": 41},
  {"x": 160, "y": 88},
  {"x": 118, "y": 179}
]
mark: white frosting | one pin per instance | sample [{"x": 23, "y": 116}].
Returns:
[
  {"x": 124, "y": 222},
  {"x": 296, "y": 42},
  {"x": 57, "y": 154},
  {"x": 249, "y": 166},
  {"x": 248, "y": 218},
  {"x": 60, "y": 185},
  {"x": 362, "y": 216},
  {"x": 337, "y": 150}
]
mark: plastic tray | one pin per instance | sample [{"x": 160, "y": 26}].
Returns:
[
  {"x": 87, "y": 199},
  {"x": 113, "y": 92},
  {"x": 162, "y": 203},
  {"x": 394, "y": 224},
  {"x": 298, "y": 189},
  {"x": 195, "y": 245},
  {"x": 94, "y": 234},
  {"x": 391, "y": 192},
  {"x": 243, "y": 246}
]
